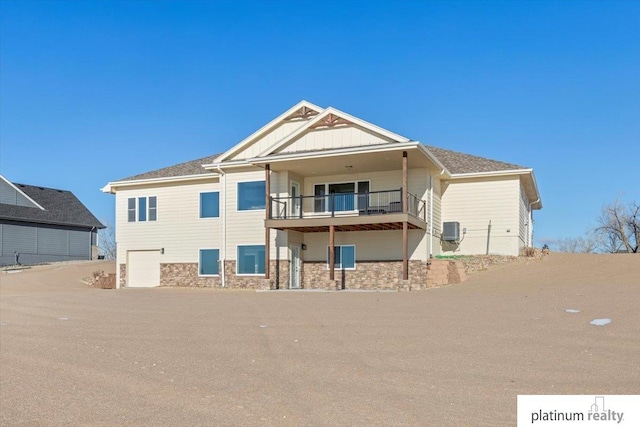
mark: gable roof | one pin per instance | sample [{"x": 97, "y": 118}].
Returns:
[
  {"x": 459, "y": 163},
  {"x": 456, "y": 163},
  {"x": 302, "y": 105},
  {"x": 335, "y": 115},
  {"x": 61, "y": 207},
  {"x": 192, "y": 167}
]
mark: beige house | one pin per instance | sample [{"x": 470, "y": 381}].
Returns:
[{"x": 324, "y": 199}]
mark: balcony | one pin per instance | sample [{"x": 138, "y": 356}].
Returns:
[{"x": 376, "y": 210}]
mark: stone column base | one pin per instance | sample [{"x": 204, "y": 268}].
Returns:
[
  {"x": 404, "y": 285},
  {"x": 268, "y": 284}
]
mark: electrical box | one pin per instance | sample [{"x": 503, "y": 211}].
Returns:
[{"x": 451, "y": 231}]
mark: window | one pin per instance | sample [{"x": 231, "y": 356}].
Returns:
[
  {"x": 251, "y": 195},
  {"x": 250, "y": 259},
  {"x": 153, "y": 208},
  {"x": 209, "y": 262},
  {"x": 340, "y": 197},
  {"x": 210, "y": 205},
  {"x": 131, "y": 210},
  {"x": 142, "y": 208},
  {"x": 344, "y": 257},
  {"x": 146, "y": 207}
]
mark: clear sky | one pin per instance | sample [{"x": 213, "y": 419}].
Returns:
[{"x": 94, "y": 91}]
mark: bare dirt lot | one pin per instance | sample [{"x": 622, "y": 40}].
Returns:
[{"x": 458, "y": 355}]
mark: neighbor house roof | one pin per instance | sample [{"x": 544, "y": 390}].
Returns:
[
  {"x": 193, "y": 167},
  {"x": 61, "y": 207},
  {"x": 459, "y": 163}
]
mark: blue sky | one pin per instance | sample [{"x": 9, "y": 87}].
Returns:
[{"x": 93, "y": 91}]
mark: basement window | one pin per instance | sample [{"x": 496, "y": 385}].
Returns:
[{"x": 344, "y": 257}]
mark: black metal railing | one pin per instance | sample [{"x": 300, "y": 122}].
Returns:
[{"x": 366, "y": 203}]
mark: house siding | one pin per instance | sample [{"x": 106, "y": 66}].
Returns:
[
  {"x": 247, "y": 227},
  {"x": 263, "y": 142},
  {"x": 437, "y": 216},
  {"x": 178, "y": 228},
  {"x": 473, "y": 203},
  {"x": 9, "y": 196},
  {"x": 38, "y": 243},
  {"x": 523, "y": 219},
  {"x": 331, "y": 138}
]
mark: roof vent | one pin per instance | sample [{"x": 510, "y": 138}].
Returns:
[{"x": 41, "y": 188}]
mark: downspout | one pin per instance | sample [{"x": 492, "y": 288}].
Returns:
[
  {"x": 224, "y": 225},
  {"x": 90, "y": 243},
  {"x": 430, "y": 216}
]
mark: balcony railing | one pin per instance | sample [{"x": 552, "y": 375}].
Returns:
[{"x": 368, "y": 203}]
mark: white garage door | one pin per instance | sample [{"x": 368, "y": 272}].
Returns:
[{"x": 143, "y": 269}]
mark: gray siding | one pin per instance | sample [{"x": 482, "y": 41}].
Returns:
[
  {"x": 52, "y": 241},
  {"x": 39, "y": 243},
  {"x": 9, "y": 196}
]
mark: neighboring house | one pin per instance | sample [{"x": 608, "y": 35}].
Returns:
[
  {"x": 41, "y": 224},
  {"x": 324, "y": 199}
]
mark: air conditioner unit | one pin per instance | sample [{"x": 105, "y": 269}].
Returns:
[{"x": 451, "y": 231}]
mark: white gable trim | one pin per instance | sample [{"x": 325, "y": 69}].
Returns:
[
  {"x": 22, "y": 192},
  {"x": 273, "y": 123},
  {"x": 112, "y": 186},
  {"x": 359, "y": 122}
]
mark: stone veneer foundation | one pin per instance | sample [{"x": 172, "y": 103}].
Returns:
[
  {"x": 279, "y": 279},
  {"x": 186, "y": 274},
  {"x": 375, "y": 275},
  {"x": 123, "y": 274},
  {"x": 378, "y": 275}
]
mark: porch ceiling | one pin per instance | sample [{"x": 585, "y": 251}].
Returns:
[{"x": 362, "y": 162}]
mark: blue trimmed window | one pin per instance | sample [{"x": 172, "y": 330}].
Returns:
[
  {"x": 250, "y": 259},
  {"x": 208, "y": 265},
  {"x": 210, "y": 205},
  {"x": 344, "y": 257},
  {"x": 251, "y": 195}
]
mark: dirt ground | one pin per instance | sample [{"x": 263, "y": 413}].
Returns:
[{"x": 452, "y": 356}]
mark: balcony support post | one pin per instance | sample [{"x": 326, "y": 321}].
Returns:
[
  {"x": 405, "y": 250},
  {"x": 404, "y": 182},
  {"x": 267, "y": 243},
  {"x": 332, "y": 252},
  {"x": 405, "y": 224}
]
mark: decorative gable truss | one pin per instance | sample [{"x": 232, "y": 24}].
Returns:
[
  {"x": 333, "y": 129},
  {"x": 271, "y": 133},
  {"x": 307, "y": 128}
]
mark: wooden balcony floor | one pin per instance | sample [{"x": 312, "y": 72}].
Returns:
[{"x": 348, "y": 223}]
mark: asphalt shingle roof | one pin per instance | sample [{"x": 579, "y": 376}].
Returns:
[
  {"x": 454, "y": 161},
  {"x": 62, "y": 207},
  {"x": 193, "y": 167},
  {"x": 457, "y": 162}
]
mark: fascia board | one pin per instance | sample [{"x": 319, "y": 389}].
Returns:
[
  {"x": 395, "y": 146},
  {"x": 111, "y": 186}
]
